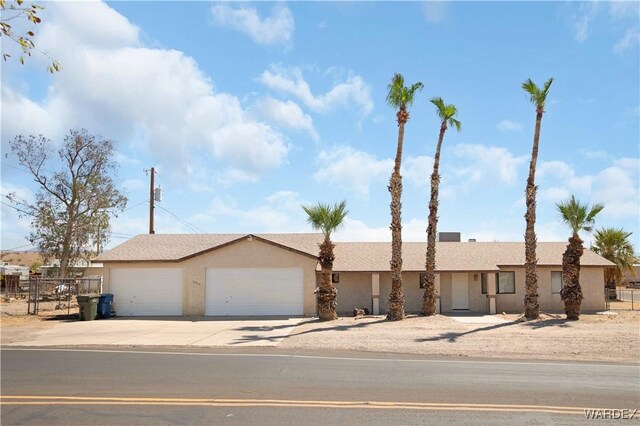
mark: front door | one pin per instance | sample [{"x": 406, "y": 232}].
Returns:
[{"x": 460, "y": 291}]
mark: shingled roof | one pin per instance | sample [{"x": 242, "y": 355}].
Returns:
[
  {"x": 350, "y": 256},
  {"x": 176, "y": 247},
  {"x": 453, "y": 256}
]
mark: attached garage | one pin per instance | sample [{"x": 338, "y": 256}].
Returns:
[
  {"x": 214, "y": 274},
  {"x": 146, "y": 291},
  {"x": 254, "y": 291}
]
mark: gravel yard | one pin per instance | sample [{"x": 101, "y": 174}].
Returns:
[
  {"x": 613, "y": 337},
  {"x": 593, "y": 338}
]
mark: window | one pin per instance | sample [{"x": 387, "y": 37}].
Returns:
[
  {"x": 556, "y": 282},
  {"x": 506, "y": 282},
  {"x": 423, "y": 280},
  {"x": 335, "y": 278},
  {"x": 483, "y": 283}
]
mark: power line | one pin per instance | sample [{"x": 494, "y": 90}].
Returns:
[
  {"x": 15, "y": 208},
  {"x": 15, "y": 200},
  {"x": 184, "y": 222},
  {"x": 19, "y": 247},
  {"x": 132, "y": 207}
]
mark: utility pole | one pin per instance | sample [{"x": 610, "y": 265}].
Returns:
[{"x": 151, "y": 203}]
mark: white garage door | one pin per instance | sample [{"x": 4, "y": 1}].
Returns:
[
  {"x": 146, "y": 291},
  {"x": 251, "y": 291}
]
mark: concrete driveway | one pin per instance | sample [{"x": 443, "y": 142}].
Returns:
[{"x": 204, "y": 332}]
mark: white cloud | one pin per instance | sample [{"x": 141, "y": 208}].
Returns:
[
  {"x": 508, "y": 125},
  {"x": 434, "y": 11},
  {"x": 14, "y": 227},
  {"x": 561, "y": 172},
  {"x": 348, "y": 168},
  {"x": 112, "y": 85},
  {"x": 353, "y": 91},
  {"x": 275, "y": 29},
  {"x": 287, "y": 114},
  {"x": 617, "y": 188},
  {"x": 555, "y": 194},
  {"x": 630, "y": 39},
  {"x": 418, "y": 170},
  {"x": 281, "y": 212},
  {"x": 581, "y": 28},
  {"x": 595, "y": 155},
  {"x": 488, "y": 162},
  {"x": 621, "y": 10},
  {"x": 355, "y": 230},
  {"x": 584, "y": 19}
]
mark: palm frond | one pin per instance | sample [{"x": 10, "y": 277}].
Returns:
[
  {"x": 455, "y": 123},
  {"x": 547, "y": 85},
  {"x": 399, "y": 95},
  {"x": 537, "y": 96},
  {"x": 578, "y": 216},
  {"x": 613, "y": 244},
  {"x": 325, "y": 217},
  {"x": 446, "y": 112}
]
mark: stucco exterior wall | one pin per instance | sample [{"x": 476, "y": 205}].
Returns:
[
  {"x": 354, "y": 291},
  {"x": 591, "y": 280},
  {"x": 242, "y": 254}
]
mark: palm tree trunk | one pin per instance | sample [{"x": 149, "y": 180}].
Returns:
[
  {"x": 429, "y": 297},
  {"x": 531, "y": 303},
  {"x": 327, "y": 294},
  {"x": 396, "y": 298},
  {"x": 571, "y": 292}
]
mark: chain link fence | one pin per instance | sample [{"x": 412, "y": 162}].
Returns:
[
  {"x": 61, "y": 290},
  {"x": 624, "y": 299}
]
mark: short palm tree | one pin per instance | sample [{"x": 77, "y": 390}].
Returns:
[
  {"x": 579, "y": 217},
  {"x": 613, "y": 244},
  {"x": 399, "y": 96},
  {"x": 447, "y": 116},
  {"x": 326, "y": 218},
  {"x": 531, "y": 304}
]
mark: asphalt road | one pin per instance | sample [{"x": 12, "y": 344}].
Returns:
[{"x": 57, "y": 386}]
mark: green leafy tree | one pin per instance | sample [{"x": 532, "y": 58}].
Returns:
[
  {"x": 531, "y": 304},
  {"x": 16, "y": 10},
  {"x": 613, "y": 244},
  {"x": 75, "y": 191},
  {"x": 327, "y": 219},
  {"x": 399, "y": 96},
  {"x": 578, "y": 217},
  {"x": 447, "y": 114},
  {"x": 35, "y": 266}
]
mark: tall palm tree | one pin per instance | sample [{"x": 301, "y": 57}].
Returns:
[
  {"x": 326, "y": 218},
  {"x": 613, "y": 244},
  {"x": 399, "y": 96},
  {"x": 579, "y": 217},
  {"x": 531, "y": 304},
  {"x": 446, "y": 114}
]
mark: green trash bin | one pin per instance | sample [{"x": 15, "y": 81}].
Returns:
[{"x": 88, "y": 307}]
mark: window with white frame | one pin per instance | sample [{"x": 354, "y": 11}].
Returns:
[
  {"x": 556, "y": 282},
  {"x": 506, "y": 282}
]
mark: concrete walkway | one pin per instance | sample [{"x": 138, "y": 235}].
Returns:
[
  {"x": 166, "y": 332},
  {"x": 477, "y": 319}
]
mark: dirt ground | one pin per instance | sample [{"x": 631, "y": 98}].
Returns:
[
  {"x": 16, "y": 325},
  {"x": 595, "y": 337}
]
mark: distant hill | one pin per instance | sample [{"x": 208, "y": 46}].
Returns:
[{"x": 22, "y": 258}]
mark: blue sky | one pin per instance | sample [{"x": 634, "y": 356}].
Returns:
[{"x": 248, "y": 110}]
